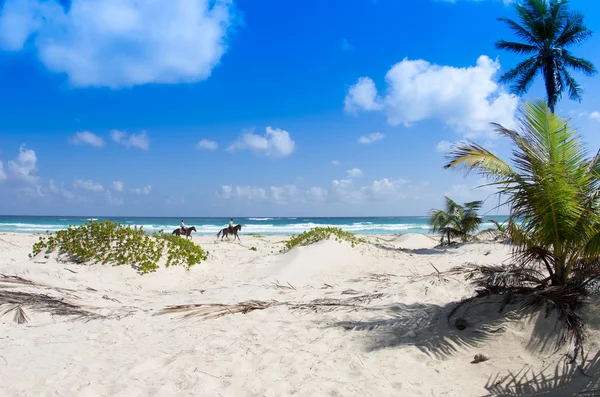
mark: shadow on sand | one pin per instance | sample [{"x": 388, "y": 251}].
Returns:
[
  {"x": 565, "y": 380},
  {"x": 419, "y": 251},
  {"x": 435, "y": 329}
]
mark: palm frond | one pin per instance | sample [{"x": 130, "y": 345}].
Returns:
[
  {"x": 472, "y": 157},
  {"x": 520, "y": 31},
  {"x": 517, "y": 48},
  {"x": 574, "y": 31},
  {"x": 575, "y": 90},
  {"x": 579, "y": 64}
]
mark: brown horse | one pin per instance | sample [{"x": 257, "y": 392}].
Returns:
[
  {"x": 188, "y": 231},
  {"x": 226, "y": 232}
]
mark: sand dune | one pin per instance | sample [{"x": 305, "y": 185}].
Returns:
[{"x": 340, "y": 321}]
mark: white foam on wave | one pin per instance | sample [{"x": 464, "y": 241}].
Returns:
[{"x": 269, "y": 228}]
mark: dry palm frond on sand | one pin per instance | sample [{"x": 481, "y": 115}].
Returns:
[
  {"x": 215, "y": 310},
  {"x": 17, "y": 280},
  {"x": 41, "y": 302}
]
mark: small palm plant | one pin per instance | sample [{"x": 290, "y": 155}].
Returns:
[
  {"x": 553, "y": 188},
  {"x": 547, "y": 28},
  {"x": 456, "y": 221}
]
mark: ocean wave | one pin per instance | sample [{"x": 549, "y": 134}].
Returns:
[
  {"x": 269, "y": 228},
  {"x": 260, "y": 219}
]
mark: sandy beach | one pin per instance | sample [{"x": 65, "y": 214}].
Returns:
[{"x": 327, "y": 320}]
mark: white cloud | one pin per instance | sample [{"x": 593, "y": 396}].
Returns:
[
  {"x": 362, "y": 96},
  {"x": 229, "y": 192},
  {"x": 595, "y": 115},
  {"x": 444, "y": 146},
  {"x": 284, "y": 194},
  {"x": 145, "y": 191},
  {"x": 374, "y": 137},
  {"x": 343, "y": 190},
  {"x": 317, "y": 194},
  {"x": 206, "y": 144},
  {"x": 67, "y": 194},
  {"x": 384, "y": 189},
  {"x": 388, "y": 189},
  {"x": 117, "y": 186},
  {"x": 24, "y": 168},
  {"x": 354, "y": 173},
  {"x": 86, "y": 138},
  {"x": 118, "y": 43},
  {"x": 336, "y": 163},
  {"x": 139, "y": 141},
  {"x": 88, "y": 185},
  {"x": 113, "y": 200},
  {"x": 275, "y": 143},
  {"x": 226, "y": 192},
  {"x": 466, "y": 99},
  {"x": 3, "y": 176}
]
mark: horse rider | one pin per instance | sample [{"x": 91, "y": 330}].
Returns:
[
  {"x": 231, "y": 225},
  {"x": 183, "y": 228}
]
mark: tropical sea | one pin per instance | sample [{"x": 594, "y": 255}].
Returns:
[{"x": 259, "y": 225}]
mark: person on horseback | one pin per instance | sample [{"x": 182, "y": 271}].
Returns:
[
  {"x": 231, "y": 225},
  {"x": 183, "y": 228}
]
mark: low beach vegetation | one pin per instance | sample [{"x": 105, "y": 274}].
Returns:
[
  {"x": 552, "y": 187},
  {"x": 318, "y": 234},
  {"x": 113, "y": 243}
]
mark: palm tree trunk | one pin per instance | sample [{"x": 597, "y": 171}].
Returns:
[{"x": 550, "y": 83}]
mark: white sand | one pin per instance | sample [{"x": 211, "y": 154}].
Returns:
[{"x": 399, "y": 344}]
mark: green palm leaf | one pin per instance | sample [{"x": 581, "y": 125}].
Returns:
[{"x": 551, "y": 186}]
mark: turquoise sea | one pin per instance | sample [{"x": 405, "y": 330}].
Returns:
[{"x": 262, "y": 225}]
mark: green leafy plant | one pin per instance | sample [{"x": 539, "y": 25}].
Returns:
[
  {"x": 318, "y": 234},
  {"x": 109, "y": 242},
  {"x": 456, "y": 220},
  {"x": 253, "y": 249}
]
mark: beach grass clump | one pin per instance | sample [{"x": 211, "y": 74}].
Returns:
[
  {"x": 182, "y": 251},
  {"x": 110, "y": 242},
  {"x": 318, "y": 234}
]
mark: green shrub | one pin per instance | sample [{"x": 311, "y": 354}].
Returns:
[
  {"x": 109, "y": 242},
  {"x": 320, "y": 233}
]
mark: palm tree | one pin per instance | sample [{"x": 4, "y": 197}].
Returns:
[
  {"x": 456, "y": 220},
  {"x": 552, "y": 188},
  {"x": 547, "y": 28}
]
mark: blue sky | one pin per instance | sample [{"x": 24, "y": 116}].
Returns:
[{"x": 248, "y": 108}]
